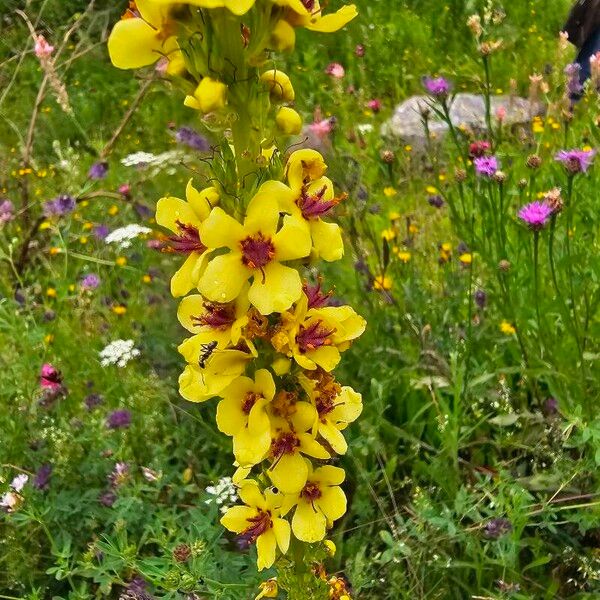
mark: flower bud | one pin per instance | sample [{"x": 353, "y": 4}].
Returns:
[
  {"x": 500, "y": 177},
  {"x": 289, "y": 121},
  {"x": 534, "y": 161},
  {"x": 504, "y": 266},
  {"x": 210, "y": 96},
  {"x": 388, "y": 156},
  {"x": 460, "y": 175}
]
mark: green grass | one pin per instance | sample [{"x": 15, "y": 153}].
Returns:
[{"x": 454, "y": 432}]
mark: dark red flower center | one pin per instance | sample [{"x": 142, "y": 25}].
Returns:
[
  {"x": 314, "y": 294},
  {"x": 309, "y": 4},
  {"x": 188, "y": 240},
  {"x": 284, "y": 404},
  {"x": 311, "y": 491},
  {"x": 249, "y": 401},
  {"x": 217, "y": 316},
  {"x": 313, "y": 206},
  {"x": 314, "y": 336},
  {"x": 257, "y": 251},
  {"x": 284, "y": 443},
  {"x": 259, "y": 524},
  {"x": 324, "y": 403}
]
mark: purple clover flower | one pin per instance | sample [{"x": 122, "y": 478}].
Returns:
[
  {"x": 118, "y": 419},
  {"x": 101, "y": 231},
  {"x": 41, "y": 481},
  {"x": 436, "y": 86},
  {"x": 98, "y": 170},
  {"x": 90, "y": 281},
  {"x": 191, "y": 138},
  {"x": 486, "y": 166},
  {"x": 576, "y": 161},
  {"x": 59, "y": 206},
  {"x": 535, "y": 214},
  {"x": 6, "y": 211}
]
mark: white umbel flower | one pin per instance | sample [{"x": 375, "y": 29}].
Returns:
[
  {"x": 118, "y": 353},
  {"x": 224, "y": 492},
  {"x": 123, "y": 236}
]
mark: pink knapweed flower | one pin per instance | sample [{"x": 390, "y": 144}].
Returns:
[
  {"x": 335, "y": 70},
  {"x": 535, "y": 214}
]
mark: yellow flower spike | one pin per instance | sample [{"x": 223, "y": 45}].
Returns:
[
  {"x": 269, "y": 589},
  {"x": 184, "y": 218},
  {"x": 142, "y": 36},
  {"x": 283, "y": 36},
  {"x": 257, "y": 250},
  {"x": 319, "y": 502},
  {"x": 219, "y": 368},
  {"x": 259, "y": 522},
  {"x": 288, "y": 121},
  {"x": 241, "y": 414},
  {"x": 210, "y": 96},
  {"x": 279, "y": 84},
  {"x": 304, "y": 166}
]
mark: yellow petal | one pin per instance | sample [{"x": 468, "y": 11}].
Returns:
[
  {"x": 332, "y": 502},
  {"x": 250, "y": 494},
  {"x": 281, "y": 528},
  {"x": 304, "y": 165},
  {"x": 191, "y": 306},
  {"x": 264, "y": 383},
  {"x": 281, "y": 288},
  {"x": 279, "y": 84},
  {"x": 308, "y": 524},
  {"x": 230, "y": 417},
  {"x": 266, "y": 545},
  {"x": 293, "y": 241},
  {"x": 289, "y": 474},
  {"x": 311, "y": 447},
  {"x": 250, "y": 448},
  {"x": 262, "y": 215},
  {"x": 283, "y": 36},
  {"x": 288, "y": 121},
  {"x": 330, "y": 475},
  {"x": 185, "y": 277},
  {"x": 334, "y": 436},
  {"x": 236, "y": 518},
  {"x": 201, "y": 202},
  {"x": 170, "y": 210},
  {"x": 224, "y": 278},
  {"x": 220, "y": 230},
  {"x": 192, "y": 347},
  {"x": 133, "y": 43},
  {"x": 327, "y": 240},
  {"x": 334, "y": 21}
]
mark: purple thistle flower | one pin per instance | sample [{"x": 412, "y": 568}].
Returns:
[
  {"x": 91, "y": 401},
  {"x": 480, "y": 298},
  {"x": 137, "y": 589},
  {"x": 191, "y": 138},
  {"x": 535, "y": 214},
  {"x": 6, "y": 211},
  {"x": 59, "y": 206},
  {"x": 41, "y": 481},
  {"x": 436, "y": 201},
  {"x": 98, "y": 170},
  {"x": 90, "y": 281},
  {"x": 101, "y": 231},
  {"x": 486, "y": 165},
  {"x": 436, "y": 86},
  {"x": 118, "y": 419},
  {"x": 576, "y": 161},
  {"x": 119, "y": 474}
]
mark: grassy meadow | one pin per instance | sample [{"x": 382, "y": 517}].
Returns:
[{"x": 473, "y": 471}]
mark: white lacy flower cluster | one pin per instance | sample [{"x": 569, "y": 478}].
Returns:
[
  {"x": 123, "y": 236},
  {"x": 154, "y": 164},
  {"x": 119, "y": 353},
  {"x": 224, "y": 492}
]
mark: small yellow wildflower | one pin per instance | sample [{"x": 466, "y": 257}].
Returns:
[
  {"x": 84, "y": 203},
  {"x": 330, "y": 547},
  {"x": 49, "y": 338},
  {"x": 121, "y": 261},
  {"x": 403, "y": 256},
  {"x": 389, "y": 234},
  {"x": 389, "y": 191},
  {"x": 44, "y": 225},
  {"x": 447, "y": 247},
  {"x": 119, "y": 310},
  {"x": 408, "y": 148},
  {"x": 442, "y": 177},
  {"x": 51, "y": 293},
  {"x": 382, "y": 283},
  {"x": 147, "y": 278},
  {"x": 587, "y": 148},
  {"x": 466, "y": 258},
  {"x": 413, "y": 229},
  {"x": 87, "y": 226},
  {"x": 395, "y": 216},
  {"x": 268, "y": 589},
  {"x": 507, "y": 329},
  {"x": 71, "y": 287},
  {"x": 430, "y": 189},
  {"x": 83, "y": 239},
  {"x": 54, "y": 250},
  {"x": 186, "y": 476},
  {"x": 113, "y": 210}
]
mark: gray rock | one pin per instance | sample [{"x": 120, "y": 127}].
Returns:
[{"x": 466, "y": 110}]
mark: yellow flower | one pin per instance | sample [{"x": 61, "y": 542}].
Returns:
[
  {"x": 330, "y": 547},
  {"x": 403, "y": 256},
  {"x": 113, "y": 210},
  {"x": 48, "y": 338},
  {"x": 311, "y": 18},
  {"x": 431, "y": 190},
  {"x": 184, "y": 218},
  {"x": 283, "y": 36},
  {"x": 336, "y": 407},
  {"x": 237, "y": 7},
  {"x": 44, "y": 225},
  {"x": 413, "y": 229},
  {"x": 279, "y": 84},
  {"x": 241, "y": 414},
  {"x": 303, "y": 167},
  {"x": 144, "y": 35},
  {"x": 268, "y": 589},
  {"x": 147, "y": 278},
  {"x": 215, "y": 370},
  {"x": 466, "y": 258},
  {"x": 389, "y": 191},
  {"x": 259, "y": 522},
  {"x": 382, "y": 282},
  {"x": 257, "y": 249},
  {"x": 395, "y": 216},
  {"x": 288, "y": 121},
  {"x": 389, "y": 234},
  {"x": 51, "y": 293},
  {"x": 121, "y": 261},
  {"x": 54, "y": 250},
  {"x": 209, "y": 96},
  {"x": 507, "y": 329},
  {"x": 319, "y": 502},
  {"x": 119, "y": 310},
  {"x": 316, "y": 336}
]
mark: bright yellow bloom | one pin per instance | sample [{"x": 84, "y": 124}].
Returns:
[
  {"x": 311, "y": 18},
  {"x": 257, "y": 249},
  {"x": 466, "y": 258},
  {"x": 241, "y": 414},
  {"x": 389, "y": 191},
  {"x": 507, "y": 329},
  {"x": 279, "y": 84},
  {"x": 119, "y": 310},
  {"x": 382, "y": 282},
  {"x": 209, "y": 96},
  {"x": 121, "y": 261},
  {"x": 143, "y": 35},
  {"x": 259, "y": 522},
  {"x": 51, "y": 293},
  {"x": 184, "y": 219},
  {"x": 283, "y": 36},
  {"x": 330, "y": 547},
  {"x": 288, "y": 121},
  {"x": 214, "y": 372},
  {"x": 403, "y": 256},
  {"x": 237, "y": 7},
  {"x": 268, "y": 589},
  {"x": 395, "y": 216},
  {"x": 336, "y": 407},
  {"x": 303, "y": 167},
  {"x": 431, "y": 190},
  {"x": 389, "y": 234},
  {"x": 113, "y": 210},
  {"x": 316, "y": 336},
  {"x": 319, "y": 502}
]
